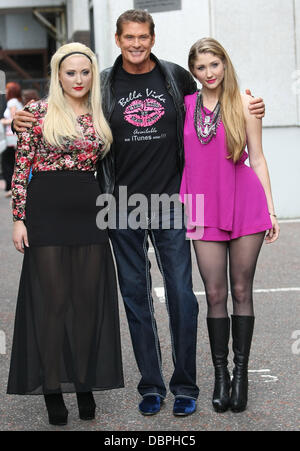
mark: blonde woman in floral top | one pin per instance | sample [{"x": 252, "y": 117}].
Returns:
[
  {"x": 66, "y": 336},
  {"x": 35, "y": 152}
]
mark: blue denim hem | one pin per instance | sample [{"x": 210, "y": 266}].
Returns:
[
  {"x": 154, "y": 394},
  {"x": 186, "y": 396}
]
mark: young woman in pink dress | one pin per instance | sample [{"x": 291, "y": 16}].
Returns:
[{"x": 238, "y": 210}]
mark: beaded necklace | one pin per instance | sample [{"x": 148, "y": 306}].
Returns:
[{"x": 206, "y": 129}]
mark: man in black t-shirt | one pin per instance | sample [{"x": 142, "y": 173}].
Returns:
[{"x": 146, "y": 118}]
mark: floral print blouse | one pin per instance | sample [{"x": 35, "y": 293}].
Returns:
[{"x": 34, "y": 152}]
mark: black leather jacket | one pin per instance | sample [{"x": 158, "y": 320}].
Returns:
[{"x": 179, "y": 83}]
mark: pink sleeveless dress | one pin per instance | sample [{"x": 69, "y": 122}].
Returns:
[{"x": 223, "y": 200}]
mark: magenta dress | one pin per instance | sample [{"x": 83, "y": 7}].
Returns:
[{"x": 233, "y": 201}]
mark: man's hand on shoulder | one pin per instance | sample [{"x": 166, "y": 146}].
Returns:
[
  {"x": 23, "y": 120},
  {"x": 256, "y": 106}
]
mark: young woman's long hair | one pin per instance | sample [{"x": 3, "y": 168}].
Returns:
[
  {"x": 230, "y": 100},
  {"x": 60, "y": 121}
]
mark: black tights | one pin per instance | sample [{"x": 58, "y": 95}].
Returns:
[{"x": 212, "y": 262}]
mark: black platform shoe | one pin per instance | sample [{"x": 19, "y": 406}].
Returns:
[
  {"x": 242, "y": 332},
  {"x": 57, "y": 411},
  {"x": 86, "y": 405},
  {"x": 219, "y": 331}
]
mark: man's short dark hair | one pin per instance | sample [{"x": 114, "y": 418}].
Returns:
[{"x": 135, "y": 15}]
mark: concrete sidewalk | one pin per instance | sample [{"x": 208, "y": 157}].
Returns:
[{"x": 274, "y": 365}]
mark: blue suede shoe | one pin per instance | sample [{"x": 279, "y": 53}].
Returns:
[
  {"x": 184, "y": 407},
  {"x": 150, "y": 405}
]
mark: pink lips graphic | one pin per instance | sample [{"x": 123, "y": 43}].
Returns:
[{"x": 144, "y": 113}]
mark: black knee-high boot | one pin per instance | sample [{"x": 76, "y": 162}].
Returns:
[
  {"x": 57, "y": 411},
  {"x": 242, "y": 332},
  {"x": 219, "y": 331}
]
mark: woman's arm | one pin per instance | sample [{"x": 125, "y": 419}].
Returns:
[
  {"x": 12, "y": 111},
  {"x": 25, "y": 153},
  {"x": 26, "y": 149},
  {"x": 24, "y": 156},
  {"x": 258, "y": 162}
]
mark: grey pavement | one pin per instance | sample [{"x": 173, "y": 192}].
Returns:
[{"x": 274, "y": 364}]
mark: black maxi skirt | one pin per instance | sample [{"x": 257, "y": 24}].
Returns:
[{"x": 67, "y": 333}]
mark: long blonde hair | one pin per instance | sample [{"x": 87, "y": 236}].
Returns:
[
  {"x": 230, "y": 99},
  {"x": 60, "y": 121}
]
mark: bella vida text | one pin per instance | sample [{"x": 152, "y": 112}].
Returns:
[{"x": 143, "y": 114}]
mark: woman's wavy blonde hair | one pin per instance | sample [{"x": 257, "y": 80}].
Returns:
[
  {"x": 60, "y": 121},
  {"x": 230, "y": 100}
]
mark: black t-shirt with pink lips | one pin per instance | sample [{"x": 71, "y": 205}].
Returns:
[{"x": 145, "y": 134}]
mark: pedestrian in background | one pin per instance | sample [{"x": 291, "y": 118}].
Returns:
[
  {"x": 30, "y": 94},
  {"x": 66, "y": 336},
  {"x": 14, "y": 103},
  {"x": 238, "y": 210}
]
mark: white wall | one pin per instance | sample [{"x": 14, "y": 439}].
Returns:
[
  {"x": 282, "y": 151},
  {"x": 78, "y": 18},
  {"x": 296, "y": 80},
  {"x": 260, "y": 38}
]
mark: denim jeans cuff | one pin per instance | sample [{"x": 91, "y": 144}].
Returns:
[
  {"x": 153, "y": 394},
  {"x": 186, "y": 396}
]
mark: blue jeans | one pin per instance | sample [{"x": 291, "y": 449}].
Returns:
[{"x": 174, "y": 260}]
